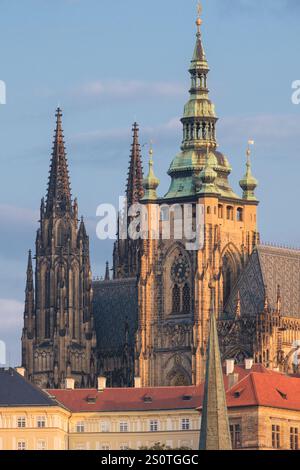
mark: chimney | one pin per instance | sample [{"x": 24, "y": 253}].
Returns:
[
  {"x": 21, "y": 371},
  {"x": 101, "y": 384},
  {"x": 248, "y": 364},
  {"x": 137, "y": 382},
  {"x": 232, "y": 380},
  {"x": 229, "y": 366},
  {"x": 69, "y": 383}
]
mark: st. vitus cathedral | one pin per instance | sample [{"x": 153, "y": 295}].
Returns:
[{"x": 150, "y": 322}]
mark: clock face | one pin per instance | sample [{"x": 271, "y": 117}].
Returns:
[{"x": 180, "y": 270}]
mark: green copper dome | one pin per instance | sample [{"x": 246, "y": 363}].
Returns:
[
  {"x": 249, "y": 183},
  {"x": 150, "y": 182},
  {"x": 199, "y": 132}
]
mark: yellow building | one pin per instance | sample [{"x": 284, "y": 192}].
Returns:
[
  {"x": 263, "y": 410},
  {"x": 29, "y": 418}
]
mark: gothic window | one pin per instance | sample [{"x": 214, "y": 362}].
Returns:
[
  {"x": 60, "y": 235},
  {"x": 229, "y": 213},
  {"x": 186, "y": 302},
  {"x": 181, "y": 294},
  {"x": 47, "y": 324},
  {"x": 176, "y": 299},
  {"x": 239, "y": 214}
]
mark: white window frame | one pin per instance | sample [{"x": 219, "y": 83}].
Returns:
[
  {"x": 21, "y": 422},
  {"x": 185, "y": 424},
  {"x": 41, "y": 444},
  {"x": 40, "y": 420},
  {"x": 80, "y": 427},
  {"x": 153, "y": 425},
  {"x": 21, "y": 445},
  {"x": 124, "y": 427},
  {"x": 104, "y": 426},
  {"x": 124, "y": 446}
]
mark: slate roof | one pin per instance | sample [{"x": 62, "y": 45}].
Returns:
[
  {"x": 115, "y": 305},
  {"x": 271, "y": 267},
  {"x": 15, "y": 390}
]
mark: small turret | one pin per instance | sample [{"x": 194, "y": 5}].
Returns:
[
  {"x": 151, "y": 182},
  {"x": 208, "y": 175},
  {"x": 249, "y": 183}
]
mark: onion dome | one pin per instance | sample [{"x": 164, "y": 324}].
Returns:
[
  {"x": 151, "y": 182},
  {"x": 249, "y": 183},
  {"x": 208, "y": 175}
]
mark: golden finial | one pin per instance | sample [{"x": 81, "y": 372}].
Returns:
[
  {"x": 199, "y": 20},
  {"x": 151, "y": 151}
]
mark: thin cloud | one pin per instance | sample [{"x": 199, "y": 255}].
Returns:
[
  {"x": 11, "y": 314},
  {"x": 128, "y": 89},
  {"x": 17, "y": 215}
]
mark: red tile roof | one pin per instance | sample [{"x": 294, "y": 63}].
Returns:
[{"x": 256, "y": 387}]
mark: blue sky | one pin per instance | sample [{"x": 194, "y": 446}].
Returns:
[{"x": 109, "y": 63}]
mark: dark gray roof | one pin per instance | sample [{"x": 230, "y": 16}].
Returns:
[
  {"x": 115, "y": 304},
  {"x": 271, "y": 267},
  {"x": 15, "y": 390}
]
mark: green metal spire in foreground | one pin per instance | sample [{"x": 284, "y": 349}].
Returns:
[
  {"x": 151, "y": 182},
  {"x": 215, "y": 433}
]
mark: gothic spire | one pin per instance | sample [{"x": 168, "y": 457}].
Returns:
[
  {"x": 134, "y": 190},
  {"x": 215, "y": 434},
  {"x": 59, "y": 192},
  {"x": 29, "y": 279},
  {"x": 107, "y": 276}
]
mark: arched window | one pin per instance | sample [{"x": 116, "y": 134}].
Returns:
[
  {"x": 220, "y": 211},
  {"x": 208, "y": 210},
  {"x": 239, "y": 214},
  {"x": 186, "y": 299},
  {"x": 61, "y": 235},
  {"x": 176, "y": 299},
  {"x": 47, "y": 324},
  {"x": 229, "y": 213}
]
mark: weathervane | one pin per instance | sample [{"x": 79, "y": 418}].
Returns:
[
  {"x": 199, "y": 21},
  {"x": 199, "y": 9}
]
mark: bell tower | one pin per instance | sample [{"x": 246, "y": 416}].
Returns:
[{"x": 176, "y": 279}]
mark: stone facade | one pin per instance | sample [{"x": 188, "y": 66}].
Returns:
[{"x": 59, "y": 339}]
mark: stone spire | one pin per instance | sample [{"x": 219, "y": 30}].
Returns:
[
  {"x": 29, "y": 295},
  {"x": 215, "y": 433},
  {"x": 107, "y": 276},
  {"x": 134, "y": 190},
  {"x": 249, "y": 183},
  {"x": 29, "y": 278},
  {"x": 60, "y": 311},
  {"x": 59, "y": 191}
]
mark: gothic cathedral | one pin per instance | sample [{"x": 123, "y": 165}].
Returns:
[{"x": 149, "y": 323}]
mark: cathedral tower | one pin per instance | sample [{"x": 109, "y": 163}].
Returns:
[
  {"x": 175, "y": 278},
  {"x": 126, "y": 256},
  {"x": 58, "y": 339}
]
